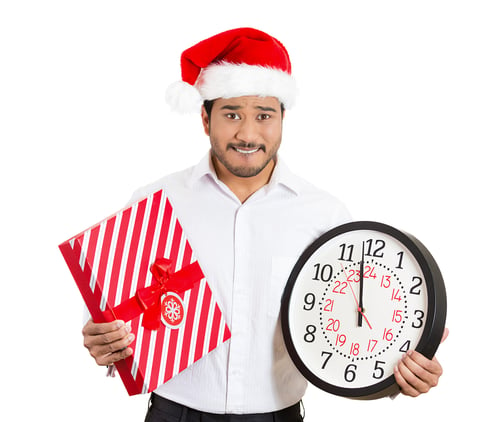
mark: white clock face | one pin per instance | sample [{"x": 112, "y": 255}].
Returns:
[{"x": 358, "y": 303}]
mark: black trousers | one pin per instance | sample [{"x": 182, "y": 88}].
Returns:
[{"x": 163, "y": 410}]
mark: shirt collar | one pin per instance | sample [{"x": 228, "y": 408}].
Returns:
[
  {"x": 284, "y": 177},
  {"x": 203, "y": 169},
  {"x": 280, "y": 176}
]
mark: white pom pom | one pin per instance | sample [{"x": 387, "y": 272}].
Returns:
[{"x": 184, "y": 98}]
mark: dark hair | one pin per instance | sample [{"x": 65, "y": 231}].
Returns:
[{"x": 208, "y": 106}]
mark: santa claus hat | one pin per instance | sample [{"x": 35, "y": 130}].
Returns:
[{"x": 234, "y": 63}]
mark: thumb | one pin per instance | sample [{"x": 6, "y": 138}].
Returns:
[{"x": 445, "y": 334}]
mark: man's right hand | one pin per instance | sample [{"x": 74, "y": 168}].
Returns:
[{"x": 108, "y": 342}]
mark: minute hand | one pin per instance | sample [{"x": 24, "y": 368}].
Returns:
[{"x": 361, "y": 288}]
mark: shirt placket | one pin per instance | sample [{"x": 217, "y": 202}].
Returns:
[{"x": 241, "y": 312}]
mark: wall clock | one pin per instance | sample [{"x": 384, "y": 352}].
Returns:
[{"x": 358, "y": 298}]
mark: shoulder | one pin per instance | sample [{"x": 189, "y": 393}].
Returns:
[
  {"x": 325, "y": 206},
  {"x": 171, "y": 182},
  {"x": 317, "y": 202},
  {"x": 177, "y": 184}
]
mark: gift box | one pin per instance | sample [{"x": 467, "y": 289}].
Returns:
[{"x": 138, "y": 266}]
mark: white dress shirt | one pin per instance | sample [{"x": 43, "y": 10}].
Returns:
[{"x": 246, "y": 252}]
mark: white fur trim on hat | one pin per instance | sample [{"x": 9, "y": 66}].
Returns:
[
  {"x": 183, "y": 98},
  {"x": 227, "y": 80}
]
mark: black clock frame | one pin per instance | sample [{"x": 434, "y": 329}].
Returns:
[{"x": 436, "y": 307}]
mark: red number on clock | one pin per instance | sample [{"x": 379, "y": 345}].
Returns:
[
  {"x": 371, "y": 345},
  {"x": 340, "y": 287},
  {"x": 351, "y": 278},
  {"x": 387, "y": 334},
  {"x": 385, "y": 281},
  {"x": 328, "y": 305},
  {"x": 333, "y": 325},
  {"x": 340, "y": 340},
  {"x": 354, "y": 349},
  {"x": 397, "y": 316},
  {"x": 368, "y": 272},
  {"x": 395, "y": 295}
]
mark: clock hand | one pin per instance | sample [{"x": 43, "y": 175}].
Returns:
[
  {"x": 361, "y": 288},
  {"x": 355, "y": 298}
]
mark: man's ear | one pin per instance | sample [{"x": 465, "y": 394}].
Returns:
[{"x": 205, "y": 120}]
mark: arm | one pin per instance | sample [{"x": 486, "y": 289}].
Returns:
[
  {"x": 415, "y": 374},
  {"x": 107, "y": 342}
]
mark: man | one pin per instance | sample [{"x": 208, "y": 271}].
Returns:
[{"x": 248, "y": 219}]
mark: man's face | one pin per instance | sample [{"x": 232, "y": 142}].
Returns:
[{"x": 245, "y": 134}]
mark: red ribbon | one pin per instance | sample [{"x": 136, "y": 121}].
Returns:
[{"x": 147, "y": 300}]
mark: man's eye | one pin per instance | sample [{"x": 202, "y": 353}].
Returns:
[
  {"x": 263, "y": 116},
  {"x": 232, "y": 116}
]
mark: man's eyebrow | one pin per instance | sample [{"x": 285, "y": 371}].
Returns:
[
  {"x": 238, "y": 107},
  {"x": 230, "y": 107},
  {"x": 272, "y": 109}
]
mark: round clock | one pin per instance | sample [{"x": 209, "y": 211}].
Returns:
[{"x": 358, "y": 298}]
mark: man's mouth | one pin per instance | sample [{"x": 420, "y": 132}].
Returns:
[{"x": 247, "y": 149}]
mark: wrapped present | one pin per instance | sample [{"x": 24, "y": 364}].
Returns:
[{"x": 138, "y": 266}]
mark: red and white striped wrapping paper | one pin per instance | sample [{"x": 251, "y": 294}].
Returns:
[{"x": 111, "y": 261}]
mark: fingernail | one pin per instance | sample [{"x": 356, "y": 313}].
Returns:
[
  {"x": 130, "y": 338},
  {"x": 119, "y": 324}
]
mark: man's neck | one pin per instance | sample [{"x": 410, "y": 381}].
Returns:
[{"x": 243, "y": 187}]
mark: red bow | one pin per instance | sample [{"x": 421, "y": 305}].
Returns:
[{"x": 147, "y": 300}]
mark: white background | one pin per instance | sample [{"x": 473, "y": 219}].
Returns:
[{"x": 393, "y": 118}]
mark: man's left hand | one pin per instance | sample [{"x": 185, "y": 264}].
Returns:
[{"x": 415, "y": 374}]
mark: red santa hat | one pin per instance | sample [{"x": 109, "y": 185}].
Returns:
[{"x": 234, "y": 63}]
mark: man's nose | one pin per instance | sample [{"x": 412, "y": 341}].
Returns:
[{"x": 248, "y": 131}]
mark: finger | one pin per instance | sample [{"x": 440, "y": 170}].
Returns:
[
  {"x": 405, "y": 387},
  {"x": 112, "y": 358},
  {"x": 91, "y": 328},
  {"x": 103, "y": 334},
  {"x": 445, "y": 334},
  {"x": 417, "y": 374},
  {"x": 100, "y": 350},
  {"x": 411, "y": 384},
  {"x": 429, "y": 370}
]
